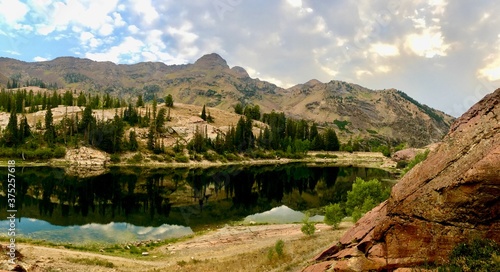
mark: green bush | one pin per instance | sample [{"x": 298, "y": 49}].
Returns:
[
  {"x": 364, "y": 196},
  {"x": 420, "y": 157},
  {"x": 210, "y": 156},
  {"x": 270, "y": 254},
  {"x": 232, "y": 157},
  {"x": 59, "y": 152},
  {"x": 478, "y": 255},
  {"x": 181, "y": 158},
  {"x": 401, "y": 164},
  {"x": 334, "y": 215},
  {"x": 167, "y": 158},
  {"x": 137, "y": 158},
  {"x": 308, "y": 227},
  {"x": 115, "y": 158},
  {"x": 278, "y": 247}
]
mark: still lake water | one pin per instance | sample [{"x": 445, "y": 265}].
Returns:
[{"x": 138, "y": 203}]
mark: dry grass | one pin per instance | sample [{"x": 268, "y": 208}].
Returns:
[{"x": 298, "y": 252}]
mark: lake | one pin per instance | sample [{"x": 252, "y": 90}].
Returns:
[{"x": 137, "y": 203}]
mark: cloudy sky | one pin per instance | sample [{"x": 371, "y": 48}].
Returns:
[{"x": 443, "y": 53}]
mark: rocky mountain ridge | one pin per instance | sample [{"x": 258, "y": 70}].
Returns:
[
  {"x": 385, "y": 115},
  {"x": 450, "y": 198}
]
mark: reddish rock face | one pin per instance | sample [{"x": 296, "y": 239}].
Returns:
[{"x": 451, "y": 197}]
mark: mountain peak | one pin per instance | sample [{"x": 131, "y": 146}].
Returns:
[
  {"x": 240, "y": 72},
  {"x": 211, "y": 60},
  {"x": 313, "y": 82}
]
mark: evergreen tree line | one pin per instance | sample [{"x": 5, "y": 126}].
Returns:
[
  {"x": 14, "y": 84},
  {"x": 105, "y": 135},
  {"x": 28, "y": 101},
  {"x": 282, "y": 134}
]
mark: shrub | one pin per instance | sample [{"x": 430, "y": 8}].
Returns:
[
  {"x": 279, "y": 247},
  {"x": 364, "y": 196},
  {"x": 308, "y": 227},
  {"x": 401, "y": 164},
  {"x": 210, "y": 156},
  {"x": 167, "y": 158},
  {"x": 478, "y": 255},
  {"x": 137, "y": 158},
  {"x": 420, "y": 157},
  {"x": 59, "y": 152},
  {"x": 270, "y": 254},
  {"x": 232, "y": 157},
  {"x": 181, "y": 158},
  {"x": 115, "y": 158},
  {"x": 333, "y": 215}
]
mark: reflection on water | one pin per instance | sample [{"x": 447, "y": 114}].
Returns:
[
  {"x": 196, "y": 198},
  {"x": 280, "y": 215},
  {"x": 105, "y": 233}
]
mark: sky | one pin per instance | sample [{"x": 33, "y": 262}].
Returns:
[{"x": 443, "y": 53}]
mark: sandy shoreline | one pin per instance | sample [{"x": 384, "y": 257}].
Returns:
[{"x": 211, "y": 251}]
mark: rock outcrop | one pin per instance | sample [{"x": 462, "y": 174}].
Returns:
[
  {"x": 85, "y": 156},
  {"x": 451, "y": 197}
]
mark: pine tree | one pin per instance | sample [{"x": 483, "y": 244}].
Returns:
[
  {"x": 133, "y": 144},
  {"x": 139, "y": 102},
  {"x": 24, "y": 129},
  {"x": 11, "y": 131},
  {"x": 331, "y": 140},
  {"x": 160, "y": 120},
  {"x": 169, "y": 101},
  {"x": 154, "y": 105},
  {"x": 151, "y": 137},
  {"x": 238, "y": 108},
  {"x": 203, "y": 114},
  {"x": 210, "y": 119},
  {"x": 50, "y": 132}
]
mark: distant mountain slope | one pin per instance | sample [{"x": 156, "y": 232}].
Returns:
[{"x": 355, "y": 110}]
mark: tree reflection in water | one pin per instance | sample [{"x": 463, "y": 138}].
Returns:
[{"x": 184, "y": 196}]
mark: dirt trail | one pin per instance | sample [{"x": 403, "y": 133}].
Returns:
[{"x": 211, "y": 249}]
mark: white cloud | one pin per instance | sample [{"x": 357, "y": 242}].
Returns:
[
  {"x": 361, "y": 73},
  {"x": 439, "y": 6},
  {"x": 133, "y": 29},
  {"x": 106, "y": 30},
  {"x": 295, "y": 3},
  {"x": 38, "y": 58},
  {"x": 12, "y": 52},
  {"x": 13, "y": 11},
  {"x": 429, "y": 43},
  {"x": 128, "y": 49},
  {"x": 146, "y": 10},
  {"x": 92, "y": 15},
  {"x": 118, "y": 20},
  {"x": 491, "y": 71},
  {"x": 384, "y": 49},
  {"x": 186, "y": 38},
  {"x": 383, "y": 69},
  {"x": 88, "y": 39}
]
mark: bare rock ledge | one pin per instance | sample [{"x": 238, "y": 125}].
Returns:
[{"x": 451, "y": 197}]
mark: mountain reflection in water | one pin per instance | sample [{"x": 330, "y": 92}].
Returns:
[{"x": 192, "y": 197}]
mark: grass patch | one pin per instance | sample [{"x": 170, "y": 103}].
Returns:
[
  {"x": 341, "y": 124},
  {"x": 420, "y": 157},
  {"x": 477, "y": 255},
  {"x": 94, "y": 261},
  {"x": 326, "y": 156},
  {"x": 181, "y": 158}
]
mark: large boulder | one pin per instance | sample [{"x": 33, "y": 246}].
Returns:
[
  {"x": 86, "y": 156},
  {"x": 451, "y": 197}
]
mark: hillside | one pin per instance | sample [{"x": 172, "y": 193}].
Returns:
[{"x": 356, "y": 111}]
